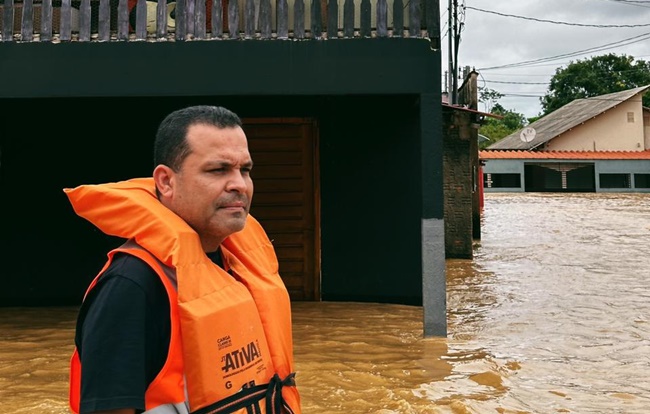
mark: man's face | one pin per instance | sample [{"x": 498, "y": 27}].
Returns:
[{"x": 213, "y": 189}]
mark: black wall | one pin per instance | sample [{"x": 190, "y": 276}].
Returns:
[{"x": 371, "y": 208}]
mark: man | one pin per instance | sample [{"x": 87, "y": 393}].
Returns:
[{"x": 190, "y": 314}]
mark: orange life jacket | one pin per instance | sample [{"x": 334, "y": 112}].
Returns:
[{"x": 236, "y": 345}]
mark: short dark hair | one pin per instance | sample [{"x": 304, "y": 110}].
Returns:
[{"x": 171, "y": 147}]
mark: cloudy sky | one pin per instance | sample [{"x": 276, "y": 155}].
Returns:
[{"x": 517, "y": 45}]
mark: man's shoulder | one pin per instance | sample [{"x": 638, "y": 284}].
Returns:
[
  {"x": 126, "y": 280},
  {"x": 132, "y": 268}
]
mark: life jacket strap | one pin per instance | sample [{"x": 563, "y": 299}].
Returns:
[{"x": 247, "y": 397}]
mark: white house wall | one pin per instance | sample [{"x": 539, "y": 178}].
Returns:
[{"x": 609, "y": 131}]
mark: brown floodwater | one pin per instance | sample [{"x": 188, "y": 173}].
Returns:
[{"x": 551, "y": 316}]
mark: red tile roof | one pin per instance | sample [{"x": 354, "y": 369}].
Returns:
[{"x": 565, "y": 155}]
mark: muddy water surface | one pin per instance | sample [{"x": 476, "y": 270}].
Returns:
[{"x": 551, "y": 316}]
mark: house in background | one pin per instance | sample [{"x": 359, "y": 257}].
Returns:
[{"x": 597, "y": 144}]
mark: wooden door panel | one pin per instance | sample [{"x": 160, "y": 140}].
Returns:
[{"x": 285, "y": 199}]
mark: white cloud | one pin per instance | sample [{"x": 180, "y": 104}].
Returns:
[{"x": 492, "y": 36}]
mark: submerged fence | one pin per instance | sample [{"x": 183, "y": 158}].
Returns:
[{"x": 180, "y": 20}]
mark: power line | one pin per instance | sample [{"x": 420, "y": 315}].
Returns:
[
  {"x": 601, "y": 26},
  {"x": 557, "y": 65},
  {"x": 510, "y": 75},
  {"x": 556, "y": 60},
  {"x": 523, "y": 95},
  {"x": 619, "y": 43},
  {"x": 636, "y": 3},
  {"x": 511, "y": 82},
  {"x": 517, "y": 83}
]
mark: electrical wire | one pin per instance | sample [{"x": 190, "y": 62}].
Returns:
[
  {"x": 624, "y": 42},
  {"x": 548, "y": 61},
  {"x": 636, "y": 3},
  {"x": 601, "y": 26}
]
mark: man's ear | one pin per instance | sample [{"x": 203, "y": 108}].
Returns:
[{"x": 163, "y": 176}]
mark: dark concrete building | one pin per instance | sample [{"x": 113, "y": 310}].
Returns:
[{"x": 344, "y": 121}]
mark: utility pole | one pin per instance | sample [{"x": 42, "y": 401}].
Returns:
[
  {"x": 450, "y": 54},
  {"x": 456, "y": 41},
  {"x": 454, "y": 38}
]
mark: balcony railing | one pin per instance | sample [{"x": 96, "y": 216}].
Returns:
[{"x": 183, "y": 20}]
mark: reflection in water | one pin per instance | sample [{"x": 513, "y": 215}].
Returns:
[
  {"x": 552, "y": 315},
  {"x": 364, "y": 358}
]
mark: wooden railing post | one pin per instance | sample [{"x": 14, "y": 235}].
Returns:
[
  {"x": 217, "y": 19},
  {"x": 8, "y": 21},
  {"x": 233, "y": 19},
  {"x": 366, "y": 9},
  {"x": 414, "y": 18},
  {"x": 161, "y": 19},
  {"x": 141, "y": 20},
  {"x": 27, "y": 21},
  {"x": 398, "y": 18},
  {"x": 332, "y": 19},
  {"x": 265, "y": 19},
  {"x": 104, "y": 24},
  {"x": 348, "y": 18},
  {"x": 200, "y": 20},
  {"x": 65, "y": 28},
  {"x": 299, "y": 19},
  {"x": 46, "y": 20},
  {"x": 382, "y": 18},
  {"x": 249, "y": 19},
  {"x": 190, "y": 11},
  {"x": 316, "y": 20},
  {"x": 432, "y": 11},
  {"x": 122, "y": 20},
  {"x": 180, "y": 21},
  {"x": 282, "y": 19},
  {"x": 84, "y": 21}
]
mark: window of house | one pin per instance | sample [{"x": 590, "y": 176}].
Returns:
[
  {"x": 615, "y": 181},
  {"x": 641, "y": 180},
  {"x": 492, "y": 180},
  {"x": 630, "y": 117}
]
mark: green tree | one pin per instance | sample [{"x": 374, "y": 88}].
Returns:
[
  {"x": 595, "y": 76},
  {"x": 497, "y": 128},
  {"x": 489, "y": 97}
]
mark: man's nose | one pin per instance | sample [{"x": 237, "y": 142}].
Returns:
[{"x": 237, "y": 182}]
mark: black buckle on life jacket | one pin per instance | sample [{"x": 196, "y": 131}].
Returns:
[{"x": 249, "y": 396}]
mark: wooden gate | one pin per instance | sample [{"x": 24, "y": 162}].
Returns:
[{"x": 286, "y": 199}]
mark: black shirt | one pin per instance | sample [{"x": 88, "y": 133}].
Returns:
[{"x": 123, "y": 333}]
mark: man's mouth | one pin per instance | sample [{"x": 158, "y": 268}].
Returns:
[{"x": 235, "y": 205}]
